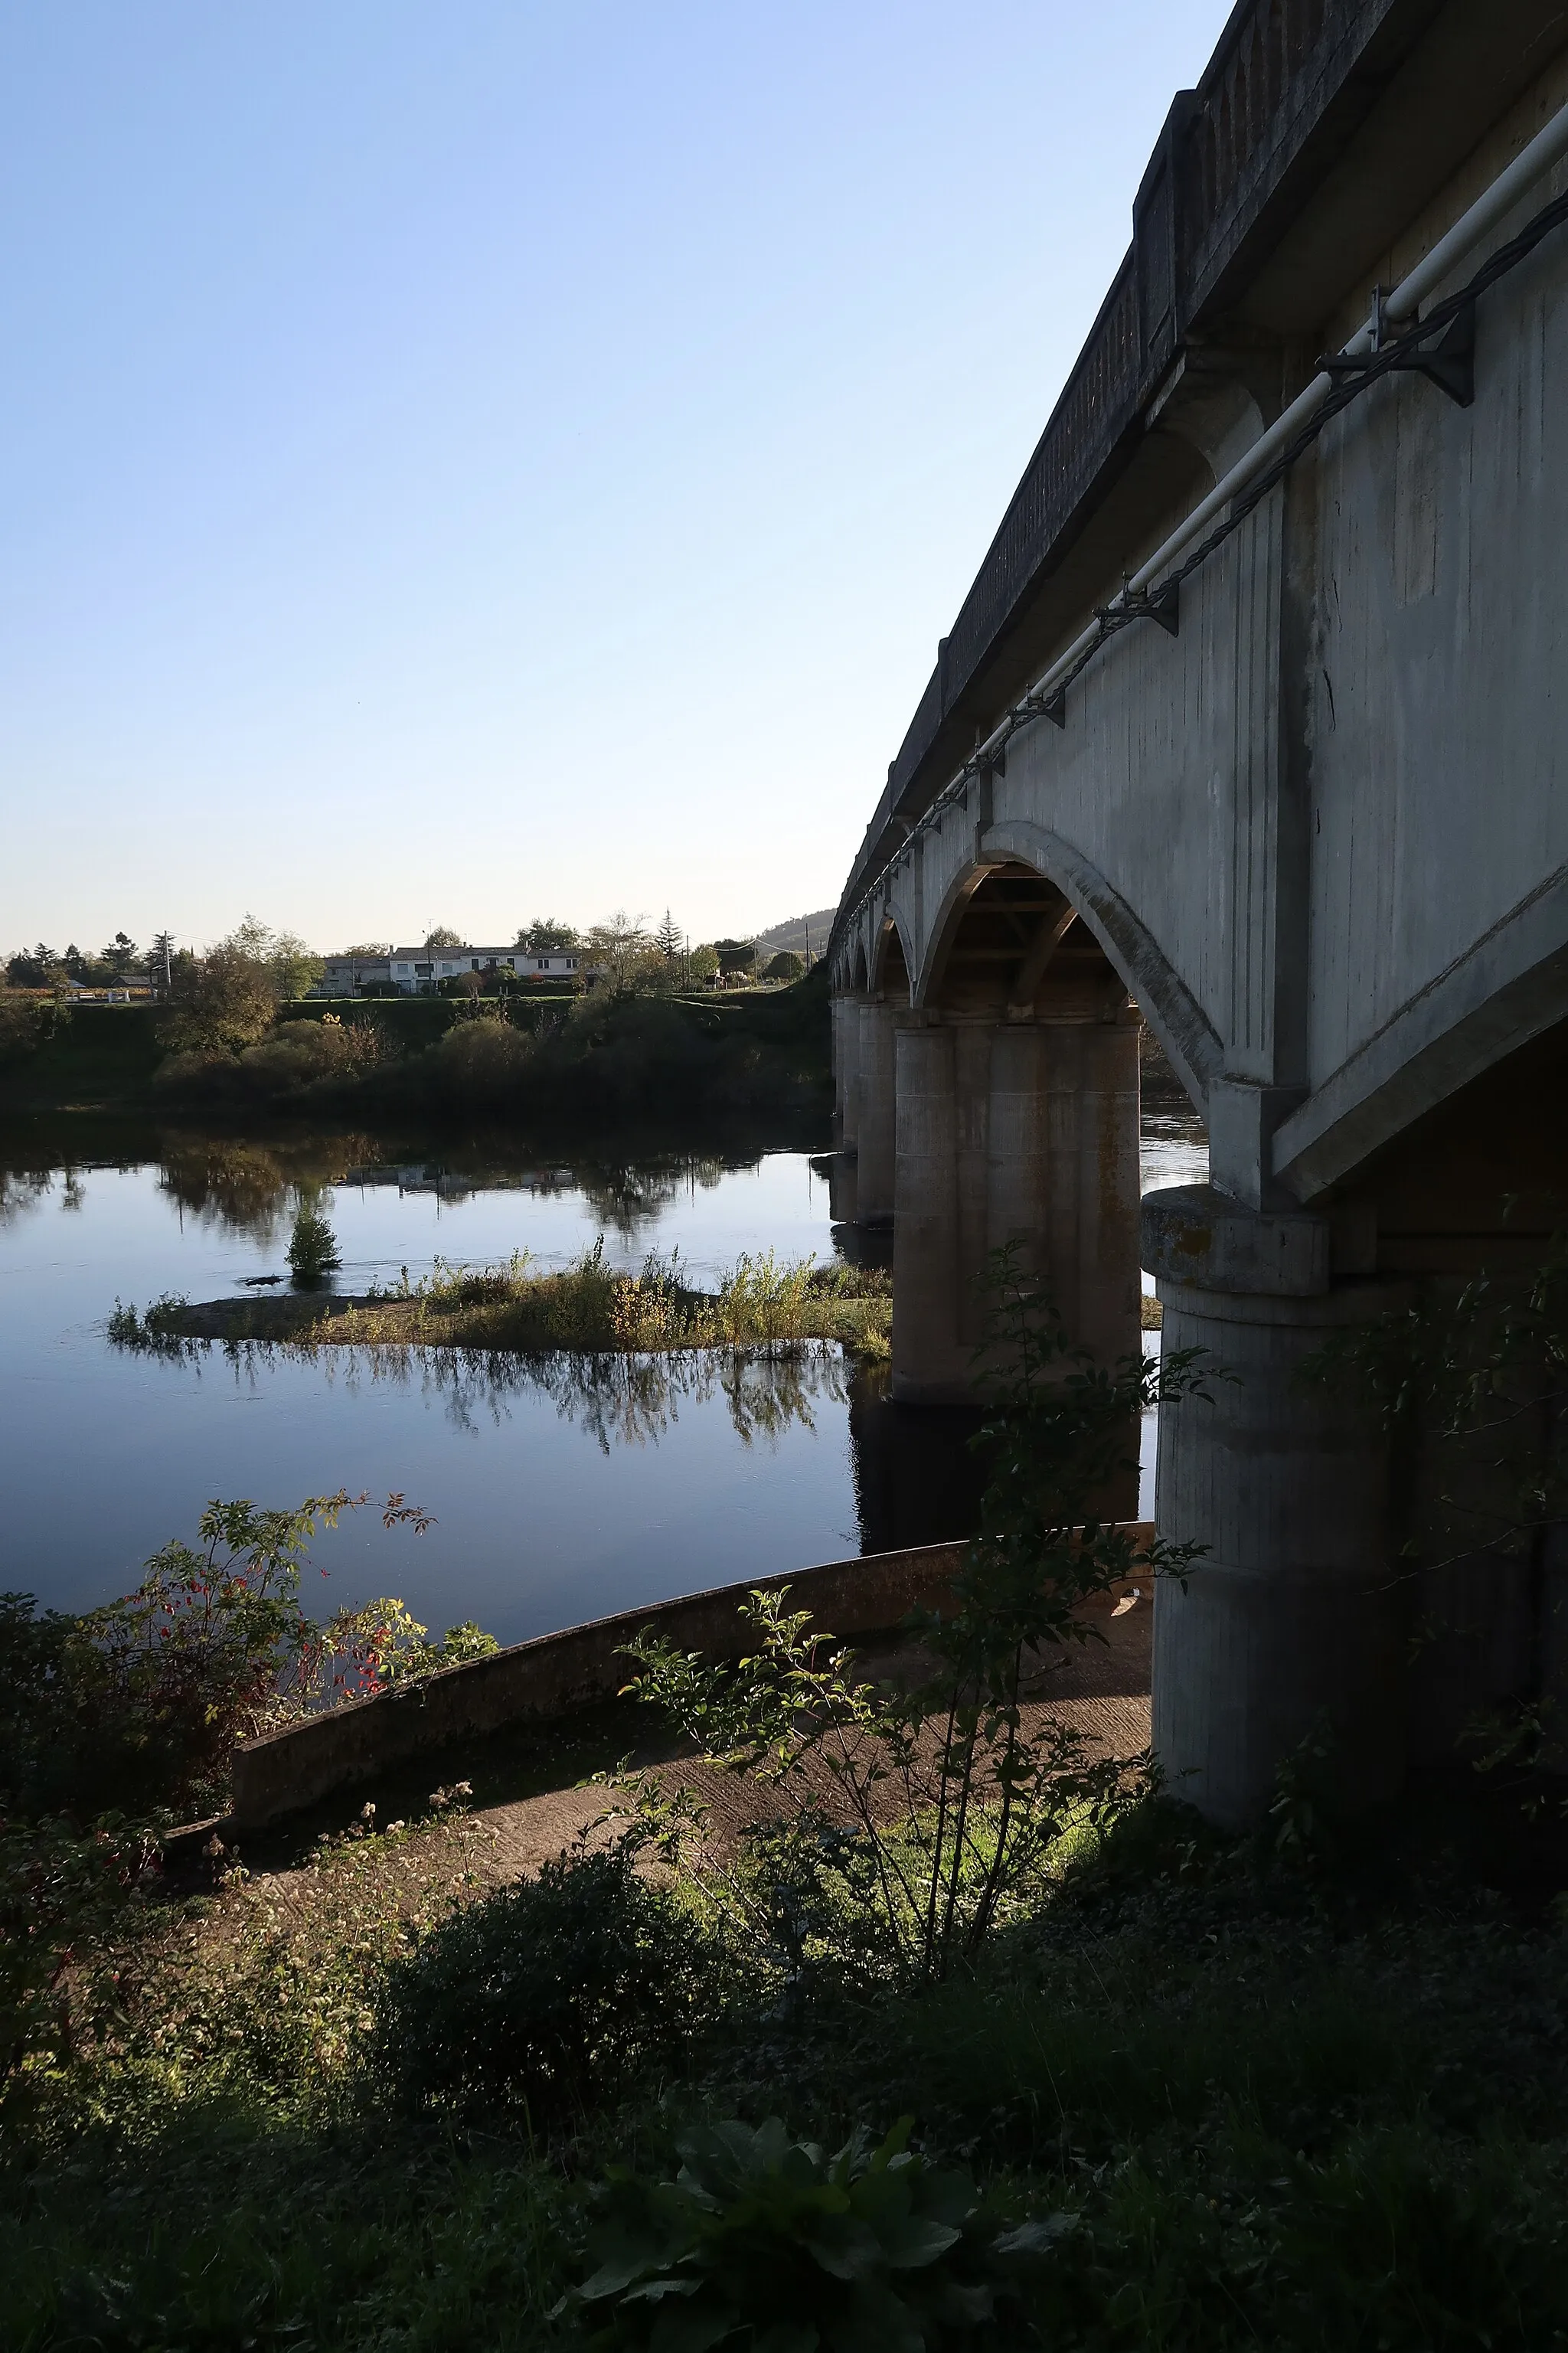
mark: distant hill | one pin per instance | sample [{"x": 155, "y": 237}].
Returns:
[{"x": 801, "y": 931}]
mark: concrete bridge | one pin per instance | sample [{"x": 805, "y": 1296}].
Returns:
[{"x": 1254, "y": 729}]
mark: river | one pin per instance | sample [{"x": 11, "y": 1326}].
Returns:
[{"x": 561, "y": 1490}]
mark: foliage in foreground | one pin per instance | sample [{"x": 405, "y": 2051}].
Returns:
[
  {"x": 763, "y": 2244},
  {"x": 1277, "y": 2109},
  {"x": 138, "y": 1705},
  {"x": 115, "y": 1721},
  {"x": 928, "y": 1813},
  {"x": 546, "y": 1999}
]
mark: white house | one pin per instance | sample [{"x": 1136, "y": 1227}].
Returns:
[{"x": 418, "y": 972}]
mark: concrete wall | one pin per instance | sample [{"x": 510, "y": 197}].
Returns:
[
  {"x": 297, "y": 1767},
  {"x": 534, "y": 1683}
]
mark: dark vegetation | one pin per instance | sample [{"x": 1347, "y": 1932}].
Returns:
[
  {"x": 1025, "y": 2056},
  {"x": 616, "y": 1057},
  {"x": 762, "y": 1302}
]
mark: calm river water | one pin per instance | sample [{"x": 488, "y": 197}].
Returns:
[{"x": 561, "y": 1491}]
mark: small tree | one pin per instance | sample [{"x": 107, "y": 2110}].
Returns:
[
  {"x": 670, "y": 941},
  {"x": 21, "y": 1029},
  {"x": 313, "y": 1247},
  {"x": 624, "y": 952},
  {"x": 442, "y": 935},
  {"x": 976, "y": 1788},
  {"x": 786, "y": 966}
]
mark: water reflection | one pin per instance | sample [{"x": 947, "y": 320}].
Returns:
[
  {"x": 24, "y": 1189},
  {"x": 916, "y": 1476},
  {"x": 616, "y": 1400},
  {"x": 240, "y": 1188}
]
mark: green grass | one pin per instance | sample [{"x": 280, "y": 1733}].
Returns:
[
  {"x": 763, "y": 1302},
  {"x": 1280, "y": 2111}
]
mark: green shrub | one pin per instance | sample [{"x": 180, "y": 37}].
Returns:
[
  {"x": 482, "y": 1060},
  {"x": 158, "y": 1331},
  {"x": 138, "y": 1705},
  {"x": 313, "y": 1247},
  {"x": 551, "y": 1995},
  {"x": 764, "y": 2245}
]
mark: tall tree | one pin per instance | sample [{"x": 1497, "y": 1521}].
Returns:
[
  {"x": 624, "y": 952},
  {"x": 230, "y": 998},
  {"x": 545, "y": 936},
  {"x": 120, "y": 955},
  {"x": 669, "y": 940}
]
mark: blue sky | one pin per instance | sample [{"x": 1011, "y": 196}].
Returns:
[{"x": 460, "y": 463}]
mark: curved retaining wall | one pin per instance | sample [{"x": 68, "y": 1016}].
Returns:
[{"x": 285, "y": 1771}]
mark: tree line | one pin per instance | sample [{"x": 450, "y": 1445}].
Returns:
[{"x": 627, "y": 953}]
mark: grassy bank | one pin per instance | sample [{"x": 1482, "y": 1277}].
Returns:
[
  {"x": 596, "y": 1060},
  {"x": 1248, "y": 2103},
  {"x": 762, "y": 1301}
]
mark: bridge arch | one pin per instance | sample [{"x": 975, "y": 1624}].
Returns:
[
  {"x": 1192, "y": 1044},
  {"x": 893, "y": 963}
]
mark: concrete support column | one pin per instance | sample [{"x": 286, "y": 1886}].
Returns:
[
  {"x": 1295, "y": 1618},
  {"x": 878, "y": 1126},
  {"x": 845, "y": 1037},
  {"x": 1034, "y": 1140},
  {"x": 928, "y": 1366},
  {"x": 1063, "y": 1170}
]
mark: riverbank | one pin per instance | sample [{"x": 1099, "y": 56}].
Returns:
[
  {"x": 604, "y": 1060},
  {"x": 763, "y": 1302},
  {"x": 1243, "y": 2097}
]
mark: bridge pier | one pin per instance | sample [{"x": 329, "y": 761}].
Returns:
[
  {"x": 1021, "y": 1132},
  {"x": 880, "y": 1025},
  {"x": 1294, "y": 1620},
  {"x": 847, "y": 1090}
]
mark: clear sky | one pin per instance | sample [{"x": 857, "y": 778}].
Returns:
[{"x": 469, "y": 461}]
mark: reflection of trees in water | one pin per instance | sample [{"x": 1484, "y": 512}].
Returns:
[
  {"x": 25, "y": 1189},
  {"x": 249, "y": 1188},
  {"x": 618, "y": 1400},
  {"x": 625, "y": 1196}
]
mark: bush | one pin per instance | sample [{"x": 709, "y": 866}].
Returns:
[
  {"x": 763, "y": 2242},
  {"x": 295, "y": 1058},
  {"x": 138, "y": 1705},
  {"x": 786, "y": 966},
  {"x": 549, "y": 1997},
  {"x": 313, "y": 1247},
  {"x": 21, "y": 1029},
  {"x": 480, "y": 1061}
]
